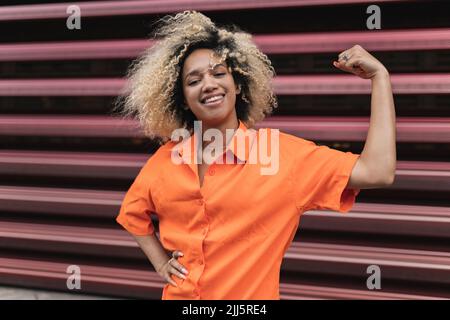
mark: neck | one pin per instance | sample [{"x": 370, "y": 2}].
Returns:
[{"x": 232, "y": 123}]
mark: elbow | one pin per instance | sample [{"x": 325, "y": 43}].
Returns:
[
  {"x": 385, "y": 175},
  {"x": 390, "y": 176},
  {"x": 390, "y": 180},
  {"x": 381, "y": 179}
]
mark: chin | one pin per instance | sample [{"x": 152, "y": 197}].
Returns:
[
  {"x": 213, "y": 121},
  {"x": 214, "y": 118}
]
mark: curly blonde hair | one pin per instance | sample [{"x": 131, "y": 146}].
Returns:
[{"x": 154, "y": 92}]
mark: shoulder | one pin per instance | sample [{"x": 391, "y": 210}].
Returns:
[
  {"x": 158, "y": 159},
  {"x": 290, "y": 140},
  {"x": 285, "y": 138},
  {"x": 288, "y": 144},
  {"x": 163, "y": 153}
]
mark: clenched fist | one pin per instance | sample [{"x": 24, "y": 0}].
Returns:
[{"x": 358, "y": 61}]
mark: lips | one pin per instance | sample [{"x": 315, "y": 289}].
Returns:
[{"x": 212, "y": 100}]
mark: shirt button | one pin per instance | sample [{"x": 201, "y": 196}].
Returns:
[{"x": 211, "y": 171}]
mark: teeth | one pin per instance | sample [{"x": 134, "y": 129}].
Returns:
[{"x": 215, "y": 98}]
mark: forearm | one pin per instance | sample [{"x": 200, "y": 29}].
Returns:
[
  {"x": 153, "y": 249},
  {"x": 379, "y": 153}
]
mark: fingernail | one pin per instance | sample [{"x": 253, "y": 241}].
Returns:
[
  {"x": 184, "y": 277},
  {"x": 184, "y": 271},
  {"x": 181, "y": 254}
]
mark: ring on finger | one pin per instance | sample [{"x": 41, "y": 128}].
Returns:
[{"x": 344, "y": 57}]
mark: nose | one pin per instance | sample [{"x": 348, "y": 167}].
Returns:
[{"x": 209, "y": 83}]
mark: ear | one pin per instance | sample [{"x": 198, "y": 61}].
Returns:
[{"x": 238, "y": 89}]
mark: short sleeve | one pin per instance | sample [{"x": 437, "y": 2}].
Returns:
[
  {"x": 137, "y": 205},
  {"x": 320, "y": 178}
]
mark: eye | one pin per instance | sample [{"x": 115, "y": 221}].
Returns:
[
  {"x": 191, "y": 83},
  {"x": 220, "y": 74}
]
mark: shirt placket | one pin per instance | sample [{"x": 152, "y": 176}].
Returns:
[{"x": 203, "y": 231}]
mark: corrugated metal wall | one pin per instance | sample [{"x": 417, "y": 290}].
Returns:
[{"x": 66, "y": 161}]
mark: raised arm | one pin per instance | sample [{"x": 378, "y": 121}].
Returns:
[{"x": 376, "y": 166}]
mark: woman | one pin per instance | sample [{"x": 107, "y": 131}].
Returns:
[{"x": 228, "y": 224}]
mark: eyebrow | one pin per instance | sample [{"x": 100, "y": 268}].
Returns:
[{"x": 198, "y": 71}]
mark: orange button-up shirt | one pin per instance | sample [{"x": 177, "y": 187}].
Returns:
[{"x": 235, "y": 229}]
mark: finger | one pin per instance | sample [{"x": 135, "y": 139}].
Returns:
[
  {"x": 342, "y": 53},
  {"x": 349, "y": 53},
  {"x": 341, "y": 57},
  {"x": 341, "y": 65},
  {"x": 176, "y": 254},
  {"x": 353, "y": 64},
  {"x": 171, "y": 281},
  {"x": 347, "y": 65},
  {"x": 177, "y": 273},
  {"x": 178, "y": 266},
  {"x": 346, "y": 53}
]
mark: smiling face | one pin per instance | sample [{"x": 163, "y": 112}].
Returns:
[{"x": 209, "y": 89}]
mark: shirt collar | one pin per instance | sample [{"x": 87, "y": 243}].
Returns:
[{"x": 239, "y": 150}]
